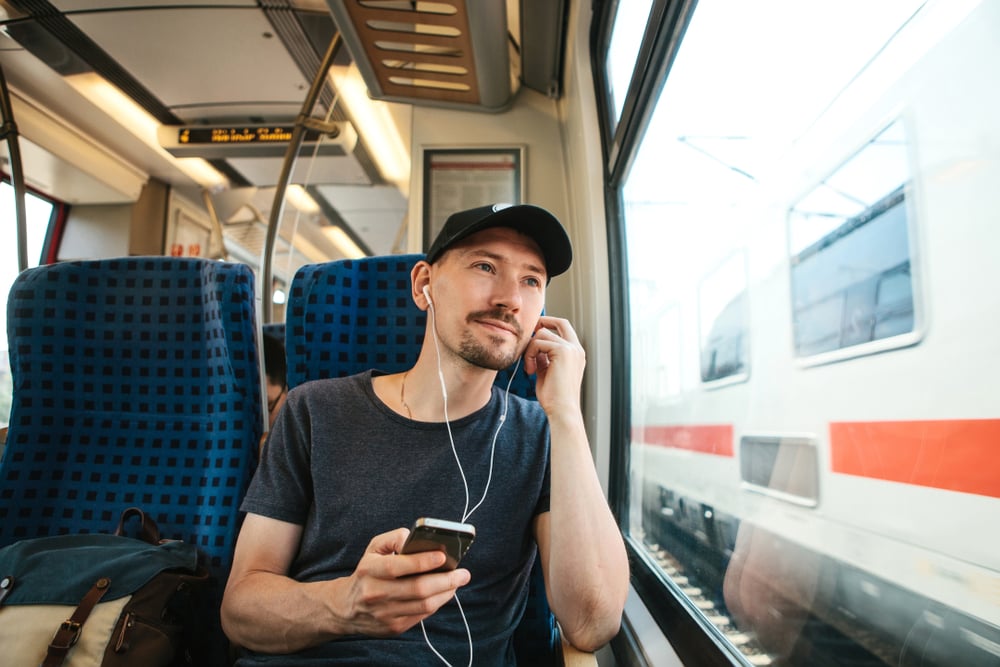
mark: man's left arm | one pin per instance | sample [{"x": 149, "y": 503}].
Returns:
[{"x": 583, "y": 555}]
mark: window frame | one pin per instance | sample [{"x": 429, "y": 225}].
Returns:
[{"x": 694, "y": 640}]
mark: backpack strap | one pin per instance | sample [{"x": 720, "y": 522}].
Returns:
[
  {"x": 149, "y": 532},
  {"x": 6, "y": 586},
  {"x": 69, "y": 632}
]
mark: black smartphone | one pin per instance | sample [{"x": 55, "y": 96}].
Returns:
[{"x": 451, "y": 537}]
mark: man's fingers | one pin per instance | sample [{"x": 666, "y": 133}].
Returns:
[
  {"x": 389, "y": 543},
  {"x": 407, "y": 613},
  {"x": 535, "y": 359},
  {"x": 404, "y": 565},
  {"x": 558, "y": 326}
]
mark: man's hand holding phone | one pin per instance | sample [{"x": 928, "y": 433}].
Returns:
[
  {"x": 384, "y": 596},
  {"x": 448, "y": 537}
]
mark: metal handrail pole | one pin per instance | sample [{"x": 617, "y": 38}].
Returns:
[
  {"x": 8, "y": 131},
  {"x": 291, "y": 153}
]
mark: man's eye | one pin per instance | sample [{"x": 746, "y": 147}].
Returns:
[
  {"x": 484, "y": 266},
  {"x": 533, "y": 282}
]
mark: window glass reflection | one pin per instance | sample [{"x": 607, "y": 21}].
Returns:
[{"x": 811, "y": 239}]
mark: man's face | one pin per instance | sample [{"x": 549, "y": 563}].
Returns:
[{"x": 489, "y": 291}]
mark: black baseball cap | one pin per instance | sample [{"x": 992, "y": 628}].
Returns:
[{"x": 530, "y": 220}]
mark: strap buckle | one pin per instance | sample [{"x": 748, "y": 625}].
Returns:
[{"x": 63, "y": 642}]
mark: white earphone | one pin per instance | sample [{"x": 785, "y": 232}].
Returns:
[{"x": 428, "y": 295}]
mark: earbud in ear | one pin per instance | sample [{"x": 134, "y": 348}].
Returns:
[{"x": 428, "y": 295}]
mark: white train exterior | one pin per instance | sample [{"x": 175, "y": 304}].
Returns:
[{"x": 831, "y": 390}]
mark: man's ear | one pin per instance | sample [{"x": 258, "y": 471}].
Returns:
[{"x": 420, "y": 280}]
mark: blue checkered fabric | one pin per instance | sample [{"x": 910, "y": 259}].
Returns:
[
  {"x": 347, "y": 316},
  {"x": 136, "y": 383}
]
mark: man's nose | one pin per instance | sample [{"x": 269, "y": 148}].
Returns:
[{"x": 507, "y": 294}]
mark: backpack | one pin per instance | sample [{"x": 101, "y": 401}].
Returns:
[{"x": 103, "y": 600}]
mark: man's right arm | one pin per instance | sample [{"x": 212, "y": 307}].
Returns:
[{"x": 265, "y": 610}]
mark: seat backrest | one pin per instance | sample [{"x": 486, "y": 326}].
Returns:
[
  {"x": 348, "y": 316},
  {"x": 136, "y": 383}
]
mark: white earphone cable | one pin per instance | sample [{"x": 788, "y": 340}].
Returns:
[
  {"x": 493, "y": 446},
  {"x": 466, "y": 512}
]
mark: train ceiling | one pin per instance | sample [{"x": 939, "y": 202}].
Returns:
[{"x": 251, "y": 62}]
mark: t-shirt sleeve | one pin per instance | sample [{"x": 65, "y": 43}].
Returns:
[{"x": 282, "y": 485}]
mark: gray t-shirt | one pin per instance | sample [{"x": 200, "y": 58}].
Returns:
[{"x": 344, "y": 466}]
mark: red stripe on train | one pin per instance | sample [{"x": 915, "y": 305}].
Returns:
[
  {"x": 955, "y": 455},
  {"x": 708, "y": 439}
]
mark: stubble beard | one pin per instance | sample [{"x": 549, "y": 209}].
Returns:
[
  {"x": 489, "y": 357},
  {"x": 492, "y": 356}
]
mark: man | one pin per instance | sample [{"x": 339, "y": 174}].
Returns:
[
  {"x": 276, "y": 383},
  {"x": 318, "y": 577},
  {"x": 275, "y": 372}
]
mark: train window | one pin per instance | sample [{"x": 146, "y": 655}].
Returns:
[
  {"x": 853, "y": 285},
  {"x": 666, "y": 350},
  {"x": 722, "y": 301},
  {"x": 660, "y": 346},
  {"x": 39, "y": 213},
  {"x": 809, "y": 182},
  {"x": 626, "y": 38},
  {"x": 781, "y": 466}
]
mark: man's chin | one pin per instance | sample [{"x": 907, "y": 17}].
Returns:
[
  {"x": 496, "y": 364},
  {"x": 490, "y": 361}
]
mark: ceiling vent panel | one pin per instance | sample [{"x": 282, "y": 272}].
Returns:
[{"x": 452, "y": 53}]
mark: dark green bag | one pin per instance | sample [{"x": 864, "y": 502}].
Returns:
[{"x": 101, "y": 600}]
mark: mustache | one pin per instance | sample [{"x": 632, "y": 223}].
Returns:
[{"x": 499, "y": 315}]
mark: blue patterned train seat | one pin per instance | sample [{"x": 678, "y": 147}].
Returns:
[{"x": 136, "y": 383}]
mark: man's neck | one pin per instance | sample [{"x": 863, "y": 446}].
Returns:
[{"x": 468, "y": 390}]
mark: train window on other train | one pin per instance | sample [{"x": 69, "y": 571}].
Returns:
[
  {"x": 660, "y": 346},
  {"x": 722, "y": 305},
  {"x": 783, "y": 466},
  {"x": 852, "y": 284}
]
